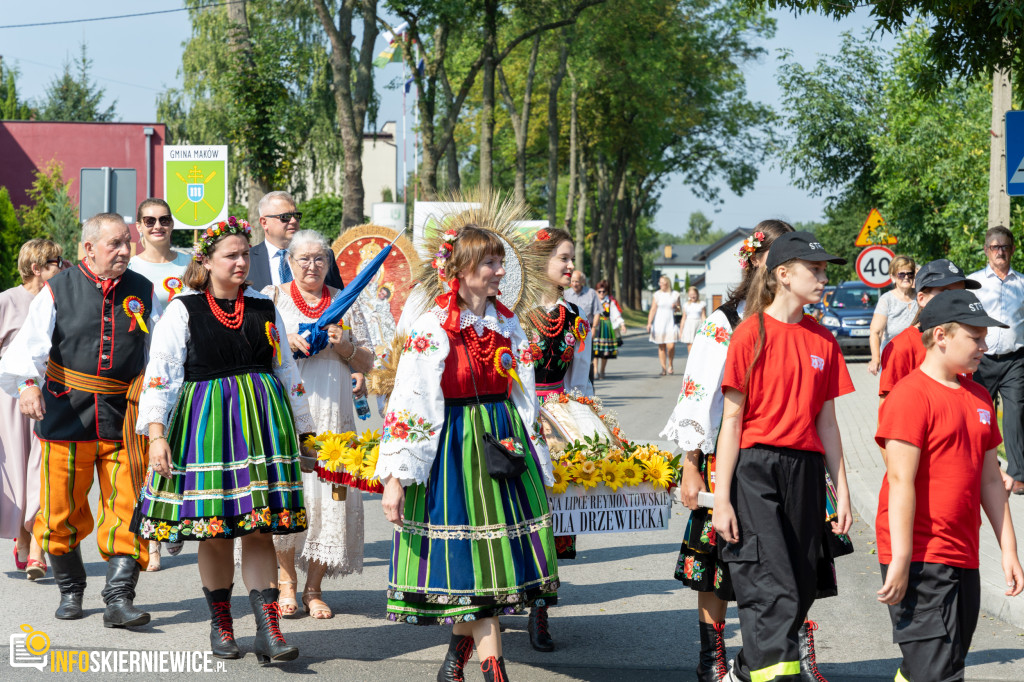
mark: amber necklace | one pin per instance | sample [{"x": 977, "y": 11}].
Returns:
[
  {"x": 232, "y": 320},
  {"x": 310, "y": 311}
]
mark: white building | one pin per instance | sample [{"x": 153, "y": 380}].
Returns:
[
  {"x": 722, "y": 269},
  {"x": 676, "y": 261},
  {"x": 380, "y": 165}
]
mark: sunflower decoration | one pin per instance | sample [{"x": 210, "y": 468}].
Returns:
[
  {"x": 611, "y": 474},
  {"x": 632, "y": 473},
  {"x": 524, "y": 282},
  {"x": 588, "y": 477},
  {"x": 659, "y": 473},
  {"x": 561, "y": 476}
]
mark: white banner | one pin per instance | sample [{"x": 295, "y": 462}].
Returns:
[{"x": 579, "y": 511}]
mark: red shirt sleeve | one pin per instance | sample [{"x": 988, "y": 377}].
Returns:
[
  {"x": 885, "y": 381},
  {"x": 903, "y": 416},
  {"x": 741, "y": 350},
  {"x": 841, "y": 383}
]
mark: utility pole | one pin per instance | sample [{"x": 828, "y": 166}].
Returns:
[{"x": 998, "y": 199}]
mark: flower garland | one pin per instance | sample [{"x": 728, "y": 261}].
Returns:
[
  {"x": 214, "y": 232},
  {"x": 749, "y": 246},
  {"x": 445, "y": 252},
  {"x": 348, "y": 459},
  {"x": 595, "y": 461}
]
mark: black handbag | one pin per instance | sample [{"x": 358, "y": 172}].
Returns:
[{"x": 501, "y": 462}]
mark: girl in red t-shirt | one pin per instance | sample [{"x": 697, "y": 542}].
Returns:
[{"x": 782, "y": 375}]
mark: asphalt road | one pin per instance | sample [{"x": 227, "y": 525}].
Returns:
[{"x": 621, "y": 614}]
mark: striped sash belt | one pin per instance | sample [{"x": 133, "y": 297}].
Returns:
[{"x": 132, "y": 390}]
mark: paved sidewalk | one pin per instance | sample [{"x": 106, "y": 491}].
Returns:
[{"x": 858, "y": 418}]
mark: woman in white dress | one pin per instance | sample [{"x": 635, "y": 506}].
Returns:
[
  {"x": 164, "y": 267},
  {"x": 333, "y": 544},
  {"x": 661, "y": 324},
  {"x": 693, "y": 318}
]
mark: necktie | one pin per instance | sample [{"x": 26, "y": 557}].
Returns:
[{"x": 282, "y": 267}]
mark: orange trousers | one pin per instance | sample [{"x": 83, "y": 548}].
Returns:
[{"x": 64, "y": 517}]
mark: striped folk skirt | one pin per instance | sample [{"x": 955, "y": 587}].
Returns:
[
  {"x": 473, "y": 546},
  {"x": 606, "y": 344},
  {"x": 235, "y": 464}
]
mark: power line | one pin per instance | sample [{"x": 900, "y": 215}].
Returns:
[{"x": 121, "y": 16}]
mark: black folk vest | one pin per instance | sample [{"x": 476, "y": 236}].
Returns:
[{"x": 94, "y": 335}]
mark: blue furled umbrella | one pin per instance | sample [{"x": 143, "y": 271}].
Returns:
[{"x": 315, "y": 332}]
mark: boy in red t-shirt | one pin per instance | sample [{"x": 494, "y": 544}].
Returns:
[
  {"x": 904, "y": 353},
  {"x": 940, "y": 436}
]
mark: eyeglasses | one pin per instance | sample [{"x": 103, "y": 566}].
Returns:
[
  {"x": 905, "y": 275},
  {"x": 999, "y": 247},
  {"x": 600, "y": 291},
  {"x": 165, "y": 220},
  {"x": 306, "y": 262},
  {"x": 286, "y": 217}
]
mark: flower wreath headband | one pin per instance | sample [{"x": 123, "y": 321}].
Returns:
[
  {"x": 749, "y": 246},
  {"x": 214, "y": 232}
]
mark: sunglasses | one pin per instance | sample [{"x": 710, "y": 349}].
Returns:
[
  {"x": 286, "y": 217},
  {"x": 999, "y": 247},
  {"x": 165, "y": 221},
  {"x": 905, "y": 275}
]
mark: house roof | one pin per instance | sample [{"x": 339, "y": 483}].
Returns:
[
  {"x": 698, "y": 281},
  {"x": 682, "y": 254},
  {"x": 709, "y": 251}
]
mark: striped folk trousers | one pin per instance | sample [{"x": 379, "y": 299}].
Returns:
[{"x": 67, "y": 473}]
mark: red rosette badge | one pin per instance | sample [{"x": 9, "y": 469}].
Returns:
[
  {"x": 274, "y": 338},
  {"x": 134, "y": 309},
  {"x": 173, "y": 285},
  {"x": 580, "y": 329},
  {"x": 505, "y": 364}
]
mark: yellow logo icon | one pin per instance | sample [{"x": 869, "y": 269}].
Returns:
[
  {"x": 29, "y": 648},
  {"x": 195, "y": 191}
]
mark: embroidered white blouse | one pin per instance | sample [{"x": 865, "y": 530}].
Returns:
[
  {"x": 417, "y": 396},
  {"x": 697, "y": 416},
  {"x": 167, "y": 361}
]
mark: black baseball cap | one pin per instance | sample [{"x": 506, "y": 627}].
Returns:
[
  {"x": 940, "y": 273},
  {"x": 956, "y": 305},
  {"x": 802, "y": 245}
]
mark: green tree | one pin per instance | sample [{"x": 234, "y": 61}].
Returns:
[
  {"x": 11, "y": 239},
  {"x": 12, "y": 108},
  {"x": 323, "y": 213},
  {"x": 700, "y": 226},
  {"x": 75, "y": 97},
  {"x": 51, "y": 214}
]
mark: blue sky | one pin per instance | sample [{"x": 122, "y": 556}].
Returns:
[{"x": 134, "y": 59}]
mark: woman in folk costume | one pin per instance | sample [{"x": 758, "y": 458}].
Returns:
[
  {"x": 222, "y": 405},
  {"x": 462, "y": 459},
  {"x": 606, "y": 342},
  {"x": 557, "y": 338}
]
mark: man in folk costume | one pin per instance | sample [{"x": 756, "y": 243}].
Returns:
[{"x": 76, "y": 367}]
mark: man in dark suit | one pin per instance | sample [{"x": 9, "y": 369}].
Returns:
[{"x": 268, "y": 260}]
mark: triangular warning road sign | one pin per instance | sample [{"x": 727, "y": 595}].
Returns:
[
  {"x": 1018, "y": 176},
  {"x": 874, "y": 232}
]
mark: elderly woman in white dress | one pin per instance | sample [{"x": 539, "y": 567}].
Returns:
[{"x": 333, "y": 544}]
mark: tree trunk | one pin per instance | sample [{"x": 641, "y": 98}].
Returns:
[
  {"x": 451, "y": 155},
  {"x": 600, "y": 200},
  {"x": 998, "y": 199},
  {"x": 553, "y": 86},
  {"x": 521, "y": 119},
  {"x": 351, "y": 94},
  {"x": 581, "y": 213},
  {"x": 241, "y": 42},
  {"x": 487, "y": 99},
  {"x": 573, "y": 123},
  {"x": 616, "y": 219}
]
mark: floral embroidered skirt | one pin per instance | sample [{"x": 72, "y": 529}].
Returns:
[
  {"x": 235, "y": 464},
  {"x": 605, "y": 343},
  {"x": 698, "y": 565},
  {"x": 473, "y": 546}
]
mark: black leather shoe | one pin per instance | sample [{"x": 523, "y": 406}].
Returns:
[
  {"x": 494, "y": 670},
  {"x": 119, "y": 593},
  {"x": 537, "y": 625},
  {"x": 222, "y": 632},
  {"x": 269, "y": 645},
  {"x": 460, "y": 650},
  {"x": 808, "y": 658},
  {"x": 711, "y": 664},
  {"x": 69, "y": 574}
]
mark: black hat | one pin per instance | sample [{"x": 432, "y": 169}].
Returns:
[
  {"x": 940, "y": 273},
  {"x": 956, "y": 305},
  {"x": 802, "y": 245}
]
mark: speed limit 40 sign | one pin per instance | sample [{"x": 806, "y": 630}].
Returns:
[{"x": 873, "y": 266}]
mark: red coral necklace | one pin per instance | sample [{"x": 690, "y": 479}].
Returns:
[
  {"x": 481, "y": 347},
  {"x": 310, "y": 311},
  {"x": 548, "y": 325},
  {"x": 232, "y": 320}
]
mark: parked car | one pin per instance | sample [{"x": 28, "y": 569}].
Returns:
[
  {"x": 818, "y": 309},
  {"x": 848, "y": 315}
]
